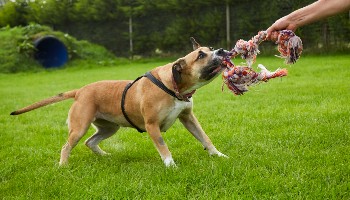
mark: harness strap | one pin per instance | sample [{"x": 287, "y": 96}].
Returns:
[
  {"x": 157, "y": 83},
  {"x": 160, "y": 85},
  {"x": 123, "y": 104}
]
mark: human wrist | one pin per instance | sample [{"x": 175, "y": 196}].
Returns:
[{"x": 295, "y": 20}]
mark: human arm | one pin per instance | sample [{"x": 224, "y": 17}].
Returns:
[{"x": 309, "y": 14}]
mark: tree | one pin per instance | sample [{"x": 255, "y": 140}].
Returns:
[
  {"x": 129, "y": 27},
  {"x": 13, "y": 13}
]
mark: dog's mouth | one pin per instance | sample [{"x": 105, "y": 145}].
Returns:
[
  {"x": 217, "y": 69},
  {"x": 218, "y": 64}
]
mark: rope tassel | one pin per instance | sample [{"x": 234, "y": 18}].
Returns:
[{"x": 239, "y": 78}]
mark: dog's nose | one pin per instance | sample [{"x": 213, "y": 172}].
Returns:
[{"x": 220, "y": 52}]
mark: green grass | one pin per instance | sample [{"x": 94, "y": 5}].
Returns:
[{"x": 286, "y": 139}]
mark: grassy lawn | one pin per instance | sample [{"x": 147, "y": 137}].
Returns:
[{"x": 286, "y": 139}]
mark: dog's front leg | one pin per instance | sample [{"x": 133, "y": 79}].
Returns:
[
  {"x": 154, "y": 132},
  {"x": 192, "y": 125}
]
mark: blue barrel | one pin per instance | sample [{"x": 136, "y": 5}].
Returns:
[{"x": 51, "y": 52}]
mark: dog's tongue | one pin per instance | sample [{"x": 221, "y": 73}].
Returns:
[{"x": 217, "y": 69}]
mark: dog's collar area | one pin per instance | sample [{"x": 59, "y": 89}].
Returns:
[
  {"x": 178, "y": 95},
  {"x": 175, "y": 94}
]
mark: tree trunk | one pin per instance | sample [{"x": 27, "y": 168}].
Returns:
[
  {"x": 325, "y": 31},
  {"x": 228, "y": 38},
  {"x": 130, "y": 38}
]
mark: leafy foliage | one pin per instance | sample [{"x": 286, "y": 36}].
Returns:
[
  {"x": 17, "y": 48},
  {"x": 166, "y": 25}
]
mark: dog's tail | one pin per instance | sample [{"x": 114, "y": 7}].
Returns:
[{"x": 45, "y": 102}]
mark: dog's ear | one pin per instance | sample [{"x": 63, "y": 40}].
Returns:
[
  {"x": 194, "y": 43},
  {"x": 177, "y": 68}
]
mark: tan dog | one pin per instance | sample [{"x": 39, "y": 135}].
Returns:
[{"x": 146, "y": 106}]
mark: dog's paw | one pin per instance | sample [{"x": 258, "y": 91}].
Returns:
[
  {"x": 104, "y": 153},
  {"x": 63, "y": 164},
  {"x": 221, "y": 155},
  {"x": 218, "y": 153},
  {"x": 169, "y": 162}
]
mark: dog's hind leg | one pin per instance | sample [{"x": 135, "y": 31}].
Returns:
[
  {"x": 104, "y": 130},
  {"x": 79, "y": 120}
]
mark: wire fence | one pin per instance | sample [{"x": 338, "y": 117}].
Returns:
[{"x": 162, "y": 28}]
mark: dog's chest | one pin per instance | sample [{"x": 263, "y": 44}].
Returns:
[{"x": 171, "y": 115}]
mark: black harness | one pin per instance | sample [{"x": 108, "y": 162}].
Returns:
[{"x": 157, "y": 83}]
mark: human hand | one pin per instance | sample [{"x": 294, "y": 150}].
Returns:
[{"x": 281, "y": 24}]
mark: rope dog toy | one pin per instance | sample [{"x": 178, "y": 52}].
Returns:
[{"x": 238, "y": 78}]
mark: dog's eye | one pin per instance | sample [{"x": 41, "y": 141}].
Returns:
[
  {"x": 211, "y": 48},
  {"x": 201, "y": 55}
]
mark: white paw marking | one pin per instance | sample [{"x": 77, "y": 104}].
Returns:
[
  {"x": 218, "y": 153},
  {"x": 169, "y": 162},
  {"x": 221, "y": 155}
]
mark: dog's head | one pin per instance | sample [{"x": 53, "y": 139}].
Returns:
[{"x": 199, "y": 67}]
